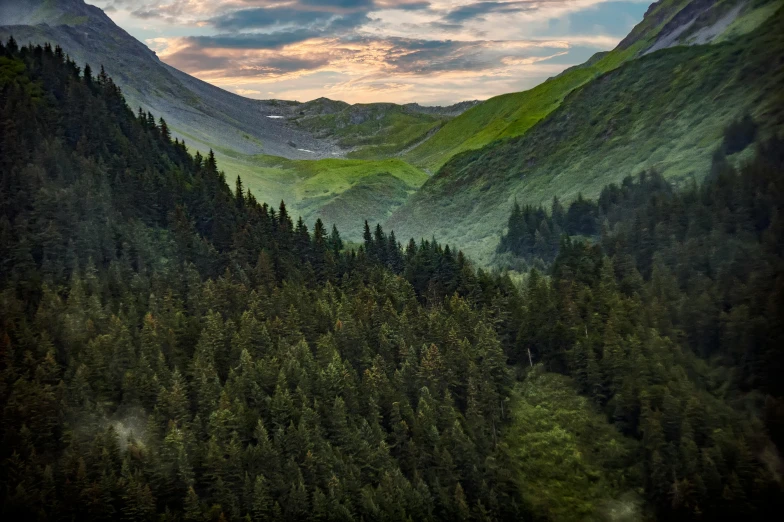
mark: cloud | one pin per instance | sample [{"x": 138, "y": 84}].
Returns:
[
  {"x": 388, "y": 58},
  {"x": 238, "y": 62},
  {"x": 385, "y": 50},
  {"x": 193, "y": 11},
  {"x": 273, "y": 40},
  {"x": 272, "y": 17},
  {"x": 475, "y": 10},
  {"x": 330, "y": 17}
]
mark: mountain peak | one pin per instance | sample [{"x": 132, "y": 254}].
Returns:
[{"x": 49, "y": 12}]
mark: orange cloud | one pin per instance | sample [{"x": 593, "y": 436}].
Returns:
[{"x": 359, "y": 49}]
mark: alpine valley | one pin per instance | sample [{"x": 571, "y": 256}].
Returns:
[{"x": 565, "y": 303}]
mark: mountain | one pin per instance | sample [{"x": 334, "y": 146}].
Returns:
[
  {"x": 666, "y": 23},
  {"x": 321, "y": 154},
  {"x": 665, "y": 110},
  {"x": 262, "y": 140},
  {"x": 205, "y": 115}
]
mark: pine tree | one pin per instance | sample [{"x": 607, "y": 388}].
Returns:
[
  {"x": 336, "y": 243},
  {"x": 370, "y": 250},
  {"x": 192, "y": 507},
  {"x": 211, "y": 164},
  {"x": 87, "y": 74},
  {"x": 262, "y": 503},
  {"x": 164, "y": 130}
]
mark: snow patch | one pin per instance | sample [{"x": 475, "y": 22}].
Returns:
[
  {"x": 306, "y": 150},
  {"x": 275, "y": 117}
]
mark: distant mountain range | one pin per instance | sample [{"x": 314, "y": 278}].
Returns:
[
  {"x": 659, "y": 100},
  {"x": 264, "y": 141},
  {"x": 203, "y": 114}
]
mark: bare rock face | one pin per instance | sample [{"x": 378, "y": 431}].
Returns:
[
  {"x": 668, "y": 23},
  {"x": 699, "y": 23}
]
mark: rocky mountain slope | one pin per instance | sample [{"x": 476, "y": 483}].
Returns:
[{"x": 204, "y": 115}]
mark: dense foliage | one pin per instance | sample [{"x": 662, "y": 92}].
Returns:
[
  {"x": 707, "y": 257},
  {"x": 671, "y": 318},
  {"x": 533, "y": 234},
  {"x": 171, "y": 348}
]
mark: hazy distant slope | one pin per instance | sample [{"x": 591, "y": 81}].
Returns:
[
  {"x": 376, "y": 130},
  {"x": 665, "y": 111},
  {"x": 513, "y": 114}
]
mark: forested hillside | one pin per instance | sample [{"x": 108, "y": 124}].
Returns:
[
  {"x": 172, "y": 349},
  {"x": 169, "y": 345},
  {"x": 702, "y": 269},
  {"x": 707, "y": 257}
]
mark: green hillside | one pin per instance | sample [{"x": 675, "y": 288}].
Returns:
[
  {"x": 508, "y": 114},
  {"x": 317, "y": 188},
  {"x": 664, "y": 111},
  {"x": 511, "y": 115},
  {"x": 381, "y": 133}
]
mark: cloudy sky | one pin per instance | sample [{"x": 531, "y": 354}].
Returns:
[{"x": 428, "y": 51}]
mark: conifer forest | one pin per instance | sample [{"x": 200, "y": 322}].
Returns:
[{"x": 173, "y": 349}]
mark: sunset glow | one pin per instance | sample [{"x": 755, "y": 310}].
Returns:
[{"x": 435, "y": 52}]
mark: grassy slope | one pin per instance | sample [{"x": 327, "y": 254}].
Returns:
[
  {"x": 511, "y": 115},
  {"x": 666, "y": 111},
  {"x": 761, "y": 10},
  {"x": 571, "y": 464},
  {"x": 374, "y": 199},
  {"x": 371, "y": 185},
  {"x": 369, "y": 190},
  {"x": 505, "y": 114}
]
